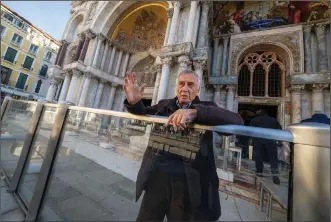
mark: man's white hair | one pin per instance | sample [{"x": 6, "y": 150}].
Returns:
[{"x": 188, "y": 71}]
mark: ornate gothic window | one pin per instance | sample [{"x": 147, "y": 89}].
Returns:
[{"x": 261, "y": 74}]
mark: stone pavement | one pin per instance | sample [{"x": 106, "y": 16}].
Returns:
[{"x": 10, "y": 210}]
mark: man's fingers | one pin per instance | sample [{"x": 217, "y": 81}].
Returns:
[
  {"x": 134, "y": 78},
  {"x": 128, "y": 77},
  {"x": 170, "y": 119},
  {"x": 183, "y": 122},
  {"x": 142, "y": 88}
]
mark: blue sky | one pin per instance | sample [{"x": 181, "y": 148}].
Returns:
[{"x": 50, "y": 16}]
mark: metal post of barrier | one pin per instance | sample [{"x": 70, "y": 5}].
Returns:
[
  {"x": 4, "y": 106},
  {"x": 53, "y": 145},
  {"x": 226, "y": 142},
  {"x": 311, "y": 172},
  {"x": 27, "y": 146}
]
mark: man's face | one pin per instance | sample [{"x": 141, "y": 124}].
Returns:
[{"x": 187, "y": 88}]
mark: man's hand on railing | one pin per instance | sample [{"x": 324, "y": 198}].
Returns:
[{"x": 180, "y": 118}]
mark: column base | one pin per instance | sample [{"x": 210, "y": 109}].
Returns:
[{"x": 324, "y": 71}]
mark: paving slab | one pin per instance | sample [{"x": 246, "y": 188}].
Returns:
[
  {"x": 8, "y": 203},
  {"x": 14, "y": 215}
]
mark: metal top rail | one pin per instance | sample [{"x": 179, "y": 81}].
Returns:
[{"x": 281, "y": 135}]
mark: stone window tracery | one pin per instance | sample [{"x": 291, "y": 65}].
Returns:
[{"x": 261, "y": 74}]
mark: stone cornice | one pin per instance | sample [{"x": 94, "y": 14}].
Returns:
[
  {"x": 308, "y": 78},
  {"x": 223, "y": 80},
  {"x": 177, "y": 50}
]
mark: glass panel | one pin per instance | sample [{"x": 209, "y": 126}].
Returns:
[
  {"x": 95, "y": 172},
  {"x": 38, "y": 151},
  {"x": 15, "y": 123},
  {"x": 238, "y": 164}
]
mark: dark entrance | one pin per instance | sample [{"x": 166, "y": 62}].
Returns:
[{"x": 247, "y": 113}]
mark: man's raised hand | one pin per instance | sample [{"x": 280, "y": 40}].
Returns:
[{"x": 133, "y": 92}]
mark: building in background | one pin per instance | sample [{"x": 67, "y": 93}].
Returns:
[
  {"x": 26, "y": 55},
  {"x": 250, "y": 55}
]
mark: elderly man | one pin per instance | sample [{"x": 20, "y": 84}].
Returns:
[{"x": 178, "y": 189}]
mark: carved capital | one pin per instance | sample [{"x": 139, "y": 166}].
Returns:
[
  {"x": 177, "y": 4},
  {"x": 230, "y": 88},
  {"x": 167, "y": 60},
  {"x": 101, "y": 37},
  {"x": 102, "y": 81},
  {"x": 88, "y": 75},
  {"x": 170, "y": 12},
  {"x": 54, "y": 81},
  {"x": 89, "y": 34},
  {"x": 184, "y": 60},
  {"x": 64, "y": 42},
  {"x": 76, "y": 72},
  {"x": 307, "y": 28},
  {"x": 81, "y": 36},
  {"x": 319, "y": 87},
  {"x": 200, "y": 64},
  {"x": 158, "y": 68},
  {"x": 114, "y": 85},
  {"x": 297, "y": 88},
  {"x": 218, "y": 88},
  {"x": 320, "y": 28}
]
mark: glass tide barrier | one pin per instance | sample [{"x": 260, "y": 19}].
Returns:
[{"x": 69, "y": 163}]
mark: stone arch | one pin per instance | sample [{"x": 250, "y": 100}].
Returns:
[
  {"x": 109, "y": 13},
  {"x": 73, "y": 26},
  {"x": 281, "y": 50}
]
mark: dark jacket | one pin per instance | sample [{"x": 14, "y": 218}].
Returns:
[
  {"x": 265, "y": 121},
  {"x": 317, "y": 118},
  {"x": 202, "y": 179}
]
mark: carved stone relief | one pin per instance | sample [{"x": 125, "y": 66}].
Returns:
[
  {"x": 146, "y": 71},
  {"x": 91, "y": 13},
  {"x": 290, "y": 40}
]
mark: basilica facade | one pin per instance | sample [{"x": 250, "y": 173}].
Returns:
[{"x": 249, "y": 55}]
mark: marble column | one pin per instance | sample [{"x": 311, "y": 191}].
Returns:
[
  {"x": 157, "y": 83},
  {"x": 58, "y": 55},
  {"x": 215, "y": 57},
  {"x": 196, "y": 27},
  {"x": 94, "y": 49},
  {"x": 199, "y": 67},
  {"x": 125, "y": 64},
  {"x": 97, "y": 52},
  {"x": 80, "y": 89},
  {"x": 191, "y": 19},
  {"x": 225, "y": 55},
  {"x": 230, "y": 97},
  {"x": 217, "y": 95},
  {"x": 164, "y": 82},
  {"x": 52, "y": 90},
  {"x": 88, "y": 37},
  {"x": 99, "y": 94},
  {"x": 307, "y": 47},
  {"x": 219, "y": 59},
  {"x": 184, "y": 63},
  {"x": 72, "y": 86},
  {"x": 296, "y": 103},
  {"x": 65, "y": 86},
  {"x": 118, "y": 64},
  {"x": 105, "y": 56},
  {"x": 306, "y": 104},
  {"x": 203, "y": 35},
  {"x": 111, "y": 96},
  {"x": 63, "y": 52},
  {"x": 317, "y": 97},
  {"x": 326, "y": 96},
  {"x": 87, "y": 81},
  {"x": 170, "y": 12},
  {"x": 81, "y": 37},
  {"x": 322, "y": 53},
  {"x": 174, "y": 21},
  {"x": 112, "y": 58},
  {"x": 223, "y": 97}
]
